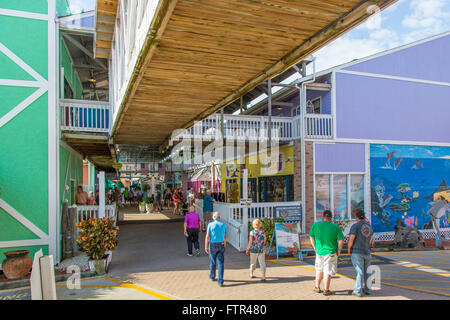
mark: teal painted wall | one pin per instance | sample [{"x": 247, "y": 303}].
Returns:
[
  {"x": 24, "y": 164},
  {"x": 70, "y": 73},
  {"x": 75, "y": 171}
]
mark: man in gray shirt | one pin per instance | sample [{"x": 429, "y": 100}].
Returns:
[{"x": 359, "y": 244}]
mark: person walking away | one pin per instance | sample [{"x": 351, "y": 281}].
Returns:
[
  {"x": 192, "y": 226},
  {"x": 256, "y": 248},
  {"x": 158, "y": 200},
  {"x": 327, "y": 240},
  {"x": 208, "y": 201},
  {"x": 215, "y": 243},
  {"x": 168, "y": 198},
  {"x": 359, "y": 243},
  {"x": 186, "y": 195},
  {"x": 191, "y": 197}
]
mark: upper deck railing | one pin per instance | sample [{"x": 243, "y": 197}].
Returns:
[
  {"x": 85, "y": 116},
  {"x": 251, "y": 128}
]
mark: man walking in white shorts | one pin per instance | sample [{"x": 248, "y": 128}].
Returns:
[{"x": 327, "y": 240}]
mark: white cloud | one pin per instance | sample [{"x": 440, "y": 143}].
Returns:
[{"x": 427, "y": 18}]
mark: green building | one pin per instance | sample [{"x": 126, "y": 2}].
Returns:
[{"x": 40, "y": 167}]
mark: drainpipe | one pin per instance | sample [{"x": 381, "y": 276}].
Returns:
[{"x": 302, "y": 95}]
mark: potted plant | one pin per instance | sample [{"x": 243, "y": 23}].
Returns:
[
  {"x": 142, "y": 207},
  {"x": 149, "y": 205},
  {"x": 98, "y": 237}
]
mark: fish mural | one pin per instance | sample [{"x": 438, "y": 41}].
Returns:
[{"x": 409, "y": 183}]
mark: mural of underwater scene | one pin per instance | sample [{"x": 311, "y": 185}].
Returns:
[{"x": 409, "y": 186}]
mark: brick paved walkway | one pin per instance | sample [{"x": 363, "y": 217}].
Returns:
[{"x": 154, "y": 255}]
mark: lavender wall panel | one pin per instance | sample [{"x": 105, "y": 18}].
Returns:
[
  {"x": 384, "y": 109},
  {"x": 340, "y": 157},
  {"x": 427, "y": 61}
]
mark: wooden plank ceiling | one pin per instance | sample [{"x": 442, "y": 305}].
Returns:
[
  {"x": 95, "y": 149},
  {"x": 105, "y": 11},
  {"x": 208, "y": 53}
]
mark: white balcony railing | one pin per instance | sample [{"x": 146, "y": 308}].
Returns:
[
  {"x": 251, "y": 128},
  {"x": 85, "y": 116},
  {"x": 316, "y": 126},
  {"x": 239, "y": 128}
]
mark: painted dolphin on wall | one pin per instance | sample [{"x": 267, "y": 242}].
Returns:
[
  {"x": 388, "y": 158},
  {"x": 417, "y": 164},
  {"x": 397, "y": 162}
]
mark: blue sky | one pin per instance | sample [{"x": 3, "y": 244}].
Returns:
[{"x": 404, "y": 22}]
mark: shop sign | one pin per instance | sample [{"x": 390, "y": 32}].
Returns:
[
  {"x": 289, "y": 213},
  {"x": 246, "y": 202},
  {"x": 117, "y": 165}
]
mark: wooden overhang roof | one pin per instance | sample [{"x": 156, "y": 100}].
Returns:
[
  {"x": 206, "y": 54},
  {"x": 105, "y": 15}
]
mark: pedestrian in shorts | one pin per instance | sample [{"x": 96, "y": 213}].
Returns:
[{"x": 327, "y": 240}]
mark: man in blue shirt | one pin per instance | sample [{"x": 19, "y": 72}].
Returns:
[
  {"x": 215, "y": 242},
  {"x": 207, "y": 208}
]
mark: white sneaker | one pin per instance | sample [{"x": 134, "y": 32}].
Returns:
[{"x": 189, "y": 255}]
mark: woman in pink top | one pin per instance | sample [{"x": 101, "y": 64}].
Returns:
[{"x": 192, "y": 225}]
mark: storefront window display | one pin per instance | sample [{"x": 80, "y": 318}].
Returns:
[
  {"x": 276, "y": 189},
  {"x": 232, "y": 191},
  {"x": 340, "y": 193}
]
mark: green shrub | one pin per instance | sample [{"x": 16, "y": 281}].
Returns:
[{"x": 97, "y": 236}]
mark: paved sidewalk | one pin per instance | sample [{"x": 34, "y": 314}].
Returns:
[{"x": 154, "y": 256}]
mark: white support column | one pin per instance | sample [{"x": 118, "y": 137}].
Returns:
[
  {"x": 245, "y": 209},
  {"x": 53, "y": 133},
  {"x": 101, "y": 194}
]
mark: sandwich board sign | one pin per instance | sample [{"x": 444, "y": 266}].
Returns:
[{"x": 287, "y": 238}]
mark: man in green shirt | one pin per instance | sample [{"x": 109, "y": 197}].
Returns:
[{"x": 327, "y": 240}]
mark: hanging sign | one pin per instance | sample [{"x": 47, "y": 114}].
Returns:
[{"x": 117, "y": 165}]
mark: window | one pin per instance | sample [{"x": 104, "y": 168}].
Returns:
[
  {"x": 317, "y": 105},
  {"x": 339, "y": 193}
]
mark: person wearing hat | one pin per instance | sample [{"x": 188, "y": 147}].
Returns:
[{"x": 327, "y": 240}]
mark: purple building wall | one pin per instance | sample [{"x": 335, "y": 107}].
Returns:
[
  {"x": 339, "y": 157},
  {"x": 385, "y": 109},
  {"x": 426, "y": 61}
]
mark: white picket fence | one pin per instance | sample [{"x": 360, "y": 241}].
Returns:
[
  {"x": 232, "y": 214},
  {"x": 87, "y": 212}
]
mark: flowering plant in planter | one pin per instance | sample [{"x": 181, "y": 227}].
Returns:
[{"x": 97, "y": 236}]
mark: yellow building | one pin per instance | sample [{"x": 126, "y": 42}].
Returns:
[{"x": 270, "y": 177}]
